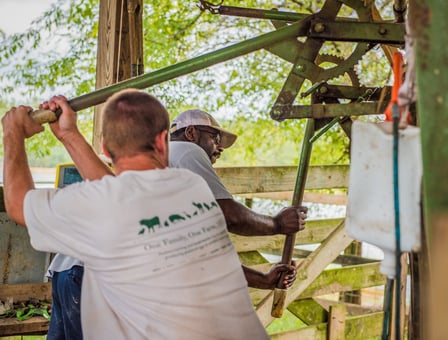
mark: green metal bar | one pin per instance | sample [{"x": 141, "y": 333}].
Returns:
[
  {"x": 191, "y": 65},
  {"x": 319, "y": 111},
  {"x": 325, "y": 129},
  {"x": 347, "y": 30},
  {"x": 305, "y": 155},
  {"x": 260, "y": 13},
  {"x": 299, "y": 190}
]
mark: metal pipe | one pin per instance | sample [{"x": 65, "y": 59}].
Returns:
[
  {"x": 99, "y": 96},
  {"x": 260, "y": 13},
  {"x": 279, "y": 300}
]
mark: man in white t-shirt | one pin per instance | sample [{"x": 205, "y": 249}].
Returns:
[
  {"x": 66, "y": 272},
  {"x": 197, "y": 141},
  {"x": 151, "y": 238}
]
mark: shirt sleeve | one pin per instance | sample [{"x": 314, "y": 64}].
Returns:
[
  {"x": 194, "y": 158},
  {"x": 51, "y": 228},
  {"x": 38, "y": 218}
]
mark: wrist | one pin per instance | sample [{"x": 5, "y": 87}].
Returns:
[
  {"x": 69, "y": 136},
  {"x": 13, "y": 135},
  {"x": 277, "y": 226}
]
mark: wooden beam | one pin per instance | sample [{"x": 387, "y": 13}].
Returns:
[
  {"x": 330, "y": 281},
  {"x": 115, "y": 46},
  {"x": 26, "y": 291},
  {"x": 309, "y": 311},
  {"x": 362, "y": 327},
  {"x": 428, "y": 25},
  {"x": 315, "y": 231},
  {"x": 261, "y": 179},
  {"x": 336, "y": 322},
  {"x": 22, "y": 293},
  {"x": 252, "y": 258},
  {"x": 308, "y": 197},
  {"x": 36, "y": 325},
  {"x": 345, "y": 279},
  {"x": 309, "y": 270}
]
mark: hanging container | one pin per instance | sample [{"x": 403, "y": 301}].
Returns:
[{"x": 370, "y": 207}]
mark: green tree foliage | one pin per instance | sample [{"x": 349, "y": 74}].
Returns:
[{"x": 58, "y": 55}]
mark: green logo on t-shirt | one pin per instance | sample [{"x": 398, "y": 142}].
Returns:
[{"x": 198, "y": 208}]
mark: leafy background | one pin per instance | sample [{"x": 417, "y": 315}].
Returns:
[{"x": 57, "y": 55}]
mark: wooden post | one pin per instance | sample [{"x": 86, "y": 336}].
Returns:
[
  {"x": 114, "y": 62},
  {"x": 354, "y": 296},
  {"x": 428, "y": 18},
  {"x": 336, "y": 322}
]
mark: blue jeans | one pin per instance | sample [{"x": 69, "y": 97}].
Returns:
[{"x": 65, "y": 322}]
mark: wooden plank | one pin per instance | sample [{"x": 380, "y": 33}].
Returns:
[
  {"x": 432, "y": 107},
  {"x": 356, "y": 328},
  {"x": 309, "y": 311},
  {"x": 344, "y": 260},
  {"x": 352, "y": 309},
  {"x": 336, "y": 322},
  {"x": 251, "y": 258},
  {"x": 113, "y": 62},
  {"x": 309, "y": 270},
  {"x": 26, "y": 291},
  {"x": 344, "y": 279},
  {"x": 244, "y": 180},
  {"x": 36, "y": 325},
  {"x": 330, "y": 281},
  {"x": 315, "y": 231},
  {"x": 308, "y": 197}
]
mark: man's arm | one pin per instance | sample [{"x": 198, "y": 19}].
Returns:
[
  {"x": 244, "y": 221},
  {"x": 240, "y": 219},
  {"x": 17, "y": 179},
  {"x": 89, "y": 165}
]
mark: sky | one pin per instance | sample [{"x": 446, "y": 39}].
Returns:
[{"x": 16, "y": 15}]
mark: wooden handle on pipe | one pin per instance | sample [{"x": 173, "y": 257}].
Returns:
[
  {"x": 278, "y": 304},
  {"x": 44, "y": 116}
]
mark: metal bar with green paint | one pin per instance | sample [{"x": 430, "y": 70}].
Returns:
[
  {"x": 299, "y": 190},
  {"x": 182, "y": 68}
]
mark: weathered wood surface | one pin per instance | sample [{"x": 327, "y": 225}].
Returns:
[
  {"x": 315, "y": 231},
  {"x": 26, "y": 291},
  {"x": 356, "y": 328},
  {"x": 309, "y": 270},
  {"x": 113, "y": 53},
  {"x": 336, "y": 322},
  {"x": 34, "y": 326},
  {"x": 263, "y": 179},
  {"x": 23, "y": 293},
  {"x": 308, "y": 197},
  {"x": 330, "y": 281}
]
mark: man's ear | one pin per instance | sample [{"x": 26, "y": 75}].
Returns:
[
  {"x": 161, "y": 143},
  {"x": 191, "y": 134},
  {"x": 105, "y": 151}
]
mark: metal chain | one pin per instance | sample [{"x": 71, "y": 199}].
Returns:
[{"x": 208, "y": 6}]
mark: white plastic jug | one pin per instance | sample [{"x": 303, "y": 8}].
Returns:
[{"x": 370, "y": 206}]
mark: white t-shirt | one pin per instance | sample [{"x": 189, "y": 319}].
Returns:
[
  {"x": 187, "y": 155},
  {"x": 159, "y": 263},
  {"x": 184, "y": 155}
]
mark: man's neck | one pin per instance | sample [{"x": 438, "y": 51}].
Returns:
[{"x": 140, "y": 162}]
